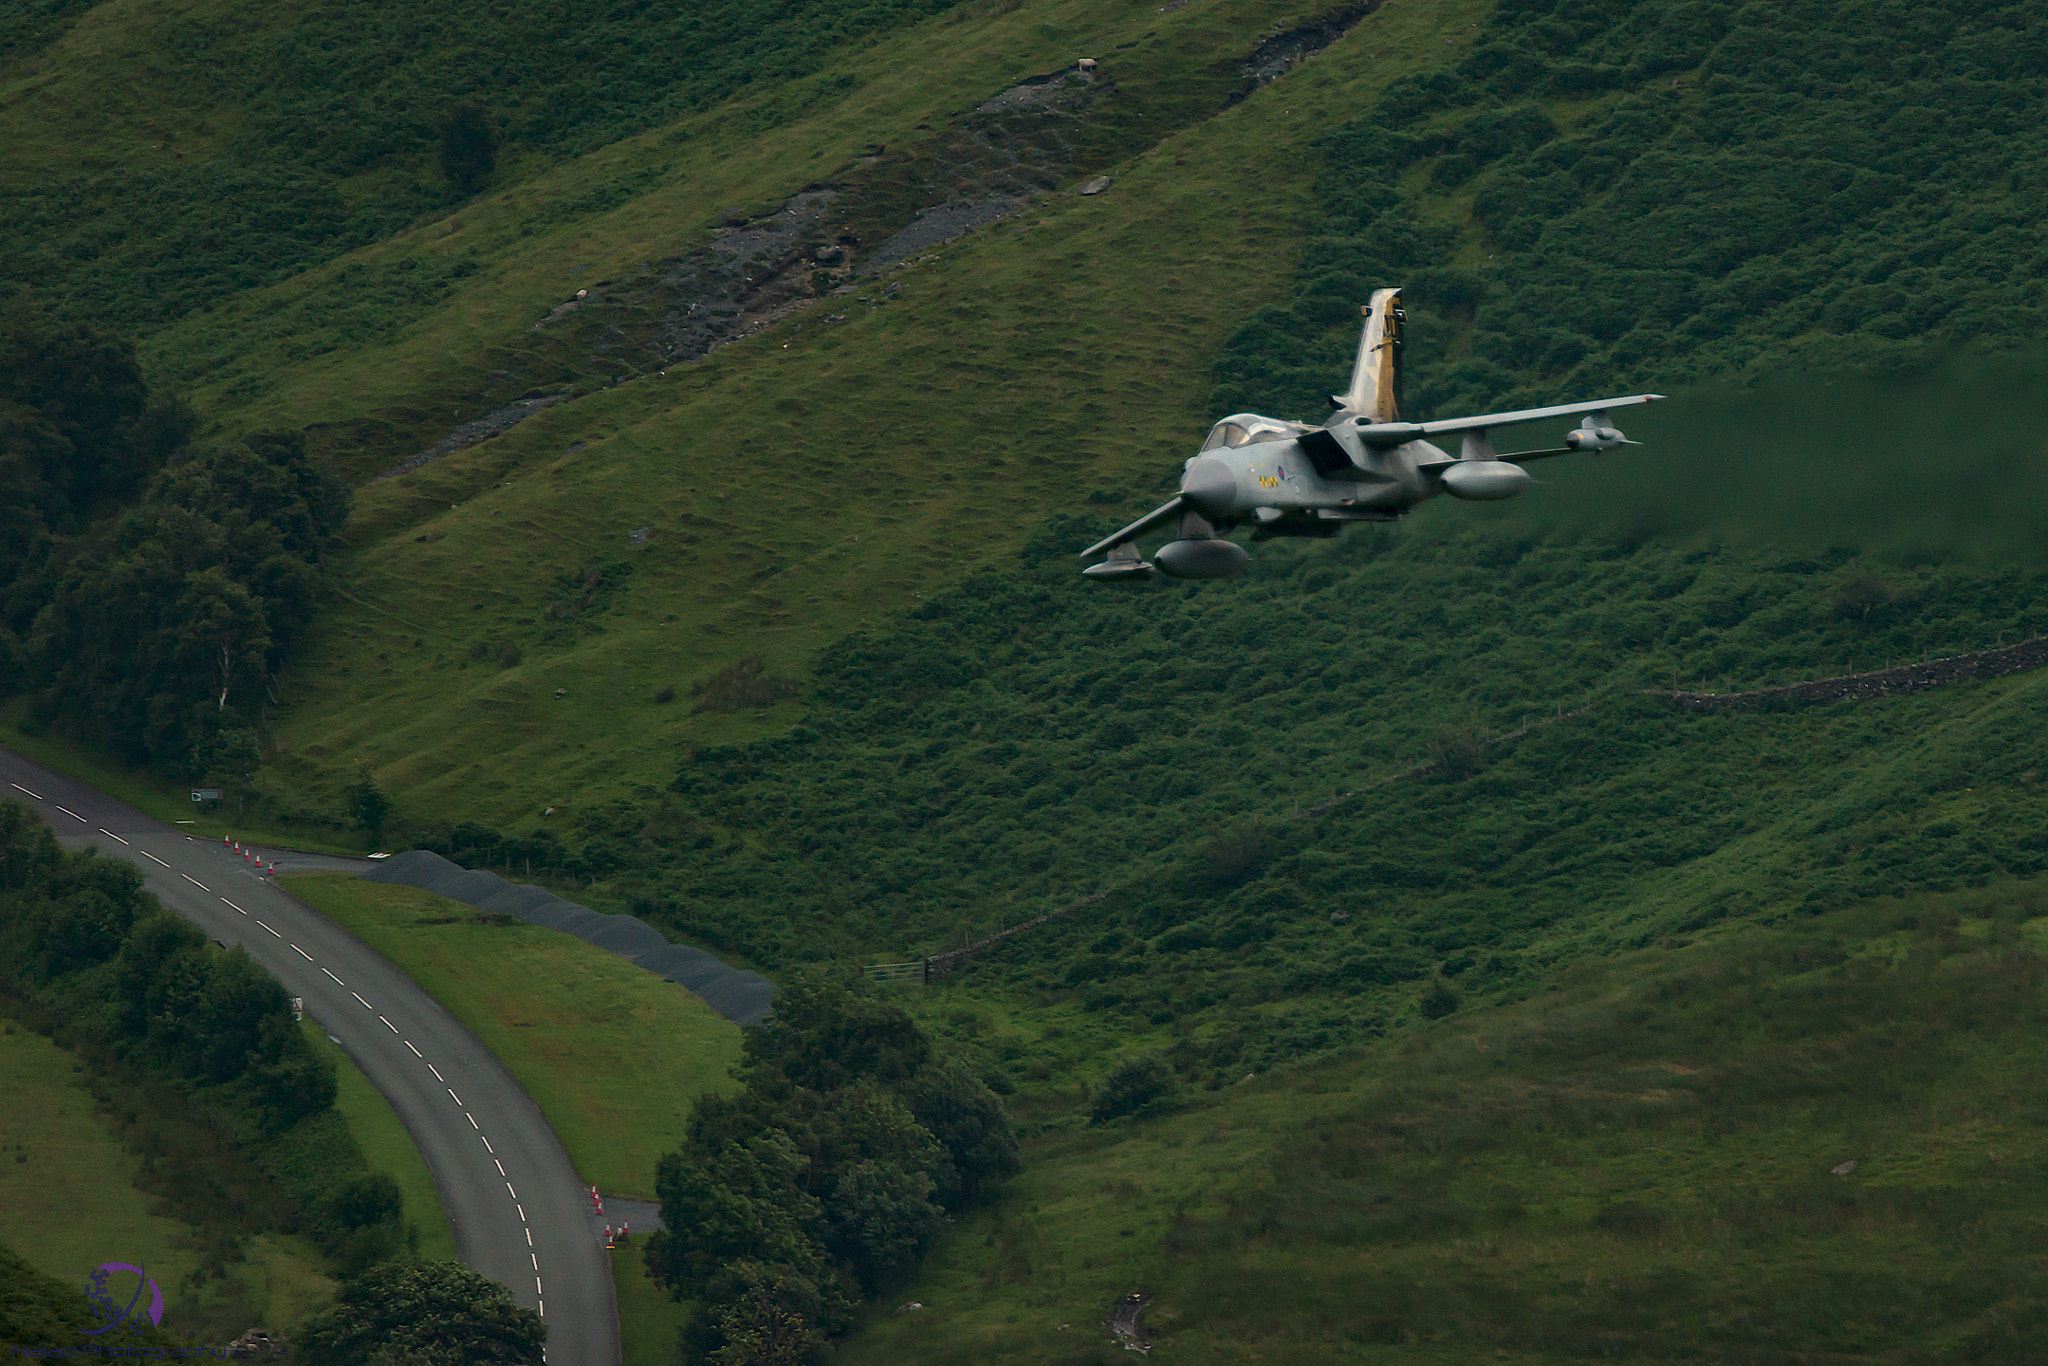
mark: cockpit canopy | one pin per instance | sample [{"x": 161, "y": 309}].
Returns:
[{"x": 1245, "y": 429}]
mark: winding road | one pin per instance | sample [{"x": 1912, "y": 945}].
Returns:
[{"x": 519, "y": 1212}]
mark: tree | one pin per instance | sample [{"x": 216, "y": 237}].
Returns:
[
  {"x": 826, "y": 1176},
  {"x": 1132, "y": 1086},
  {"x": 430, "y": 1313},
  {"x": 367, "y": 803},
  {"x": 969, "y": 1123},
  {"x": 469, "y": 147},
  {"x": 743, "y": 1202},
  {"x": 823, "y": 1036}
]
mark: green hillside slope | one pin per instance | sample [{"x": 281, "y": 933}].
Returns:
[
  {"x": 1813, "y": 1143},
  {"x": 724, "y": 572},
  {"x": 864, "y": 449}
]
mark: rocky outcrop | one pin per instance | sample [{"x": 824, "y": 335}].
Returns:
[{"x": 1863, "y": 687}]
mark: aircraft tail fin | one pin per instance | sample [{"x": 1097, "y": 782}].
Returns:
[{"x": 1375, "y": 390}]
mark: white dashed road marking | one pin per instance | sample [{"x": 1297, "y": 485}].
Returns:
[{"x": 533, "y": 1256}]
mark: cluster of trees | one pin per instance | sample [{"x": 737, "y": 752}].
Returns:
[
  {"x": 242, "y": 1128},
  {"x": 1751, "y": 183},
  {"x": 151, "y": 585},
  {"x": 425, "y": 1312},
  {"x": 824, "y": 1179}
]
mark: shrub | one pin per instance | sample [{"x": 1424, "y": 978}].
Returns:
[{"x": 1134, "y": 1085}]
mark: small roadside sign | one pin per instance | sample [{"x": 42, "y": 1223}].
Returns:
[
  {"x": 298, "y": 1007},
  {"x": 205, "y": 794}
]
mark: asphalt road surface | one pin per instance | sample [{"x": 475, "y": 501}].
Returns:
[{"x": 519, "y": 1213}]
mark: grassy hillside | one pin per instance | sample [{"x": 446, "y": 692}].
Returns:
[
  {"x": 1816, "y": 1142},
  {"x": 72, "y": 1197},
  {"x": 761, "y": 620},
  {"x": 1012, "y": 371}
]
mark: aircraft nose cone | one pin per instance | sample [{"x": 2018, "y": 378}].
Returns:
[{"x": 1210, "y": 487}]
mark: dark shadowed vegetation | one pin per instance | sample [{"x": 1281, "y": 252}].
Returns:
[
  {"x": 194, "y": 1053},
  {"x": 824, "y": 1180}
]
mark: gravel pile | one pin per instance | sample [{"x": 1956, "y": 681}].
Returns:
[{"x": 742, "y": 997}]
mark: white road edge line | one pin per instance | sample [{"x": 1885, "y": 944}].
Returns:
[
  {"x": 151, "y": 857},
  {"x": 19, "y": 788},
  {"x": 536, "y": 1260},
  {"x": 302, "y": 953},
  {"x": 500, "y": 1166},
  {"x": 415, "y": 1052},
  {"x": 487, "y": 1145},
  {"x": 529, "y": 1237},
  {"x": 360, "y": 1001},
  {"x": 104, "y": 831},
  {"x": 452, "y": 1096},
  {"x": 387, "y": 1024},
  {"x": 332, "y": 978},
  {"x": 437, "y": 1074},
  {"x": 69, "y": 812},
  {"x": 231, "y": 905},
  {"x": 472, "y": 1120},
  {"x": 515, "y": 1194},
  {"x": 195, "y": 882},
  {"x": 522, "y": 1211},
  {"x": 268, "y": 928}
]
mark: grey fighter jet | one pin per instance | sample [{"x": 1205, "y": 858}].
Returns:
[{"x": 1365, "y": 464}]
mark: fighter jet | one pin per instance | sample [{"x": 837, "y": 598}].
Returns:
[{"x": 1364, "y": 464}]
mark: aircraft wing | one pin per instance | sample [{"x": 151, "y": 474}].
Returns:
[
  {"x": 1164, "y": 512},
  {"x": 1466, "y": 424}
]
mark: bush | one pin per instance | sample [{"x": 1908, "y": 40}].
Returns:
[
  {"x": 1438, "y": 999},
  {"x": 1133, "y": 1086}
]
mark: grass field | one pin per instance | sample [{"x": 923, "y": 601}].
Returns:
[
  {"x": 154, "y": 795},
  {"x": 1646, "y": 1163},
  {"x": 612, "y": 1054},
  {"x": 648, "y": 1318},
  {"x": 389, "y": 1149},
  {"x": 1082, "y": 327},
  {"x": 67, "y": 1206}
]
